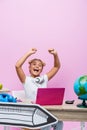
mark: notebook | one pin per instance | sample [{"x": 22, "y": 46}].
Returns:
[{"x": 50, "y": 96}]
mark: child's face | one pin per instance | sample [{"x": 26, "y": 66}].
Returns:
[{"x": 35, "y": 68}]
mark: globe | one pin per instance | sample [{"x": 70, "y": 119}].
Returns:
[{"x": 80, "y": 88}]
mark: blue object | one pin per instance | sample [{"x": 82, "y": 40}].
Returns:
[
  {"x": 4, "y": 97},
  {"x": 80, "y": 88}
]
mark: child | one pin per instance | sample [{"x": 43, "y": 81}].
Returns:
[{"x": 35, "y": 80}]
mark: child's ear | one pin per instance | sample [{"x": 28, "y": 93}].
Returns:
[
  {"x": 29, "y": 62},
  {"x": 43, "y": 63}
]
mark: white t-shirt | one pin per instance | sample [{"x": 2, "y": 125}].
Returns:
[{"x": 32, "y": 84}]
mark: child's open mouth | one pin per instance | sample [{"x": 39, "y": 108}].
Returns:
[{"x": 36, "y": 70}]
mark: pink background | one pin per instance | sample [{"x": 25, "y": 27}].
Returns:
[{"x": 44, "y": 24}]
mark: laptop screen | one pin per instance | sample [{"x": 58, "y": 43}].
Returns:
[{"x": 50, "y": 96}]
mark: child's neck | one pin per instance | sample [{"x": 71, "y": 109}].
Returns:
[{"x": 33, "y": 76}]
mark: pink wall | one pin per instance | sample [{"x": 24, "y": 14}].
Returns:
[{"x": 44, "y": 24}]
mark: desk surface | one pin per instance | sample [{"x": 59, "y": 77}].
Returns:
[
  {"x": 4, "y": 90},
  {"x": 68, "y": 112}
]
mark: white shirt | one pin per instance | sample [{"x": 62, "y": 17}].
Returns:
[{"x": 32, "y": 84}]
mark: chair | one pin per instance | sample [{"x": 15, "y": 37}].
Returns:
[{"x": 19, "y": 94}]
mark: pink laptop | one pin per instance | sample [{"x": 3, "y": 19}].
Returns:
[{"x": 50, "y": 96}]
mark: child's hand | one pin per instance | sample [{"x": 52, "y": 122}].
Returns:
[
  {"x": 33, "y": 50},
  {"x": 52, "y": 51}
]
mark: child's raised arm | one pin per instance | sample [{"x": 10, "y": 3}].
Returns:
[
  {"x": 56, "y": 66},
  {"x": 20, "y": 62}
]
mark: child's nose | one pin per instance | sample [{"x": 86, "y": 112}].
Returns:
[{"x": 37, "y": 66}]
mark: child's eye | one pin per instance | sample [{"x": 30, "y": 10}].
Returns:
[
  {"x": 40, "y": 65},
  {"x": 33, "y": 63}
]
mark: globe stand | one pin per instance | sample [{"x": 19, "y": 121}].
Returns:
[{"x": 83, "y": 104}]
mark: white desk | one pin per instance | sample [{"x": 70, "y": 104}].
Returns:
[
  {"x": 69, "y": 112},
  {"x": 4, "y": 90}
]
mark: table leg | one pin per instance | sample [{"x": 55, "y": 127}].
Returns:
[
  {"x": 6, "y": 127},
  {"x": 82, "y": 125}
]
